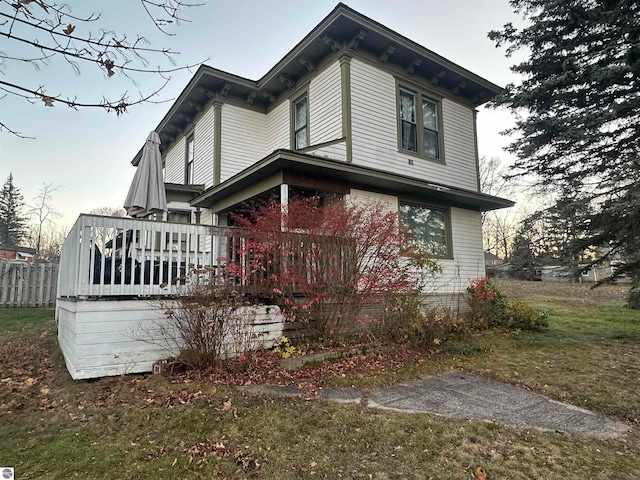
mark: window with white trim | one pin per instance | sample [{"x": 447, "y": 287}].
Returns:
[
  {"x": 419, "y": 124},
  {"x": 428, "y": 227}
]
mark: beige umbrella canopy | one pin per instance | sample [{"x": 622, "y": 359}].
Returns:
[{"x": 146, "y": 194}]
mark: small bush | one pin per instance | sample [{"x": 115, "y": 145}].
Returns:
[
  {"x": 324, "y": 263},
  {"x": 488, "y": 304},
  {"x": 521, "y": 316},
  {"x": 434, "y": 327},
  {"x": 211, "y": 323},
  {"x": 491, "y": 308},
  {"x": 287, "y": 350}
]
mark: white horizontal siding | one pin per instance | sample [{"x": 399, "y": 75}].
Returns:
[
  {"x": 95, "y": 345},
  {"x": 459, "y": 143},
  {"x": 468, "y": 256},
  {"x": 374, "y": 130},
  {"x": 243, "y": 139},
  {"x": 277, "y": 128},
  {"x": 373, "y": 110},
  {"x": 364, "y": 197},
  {"x": 174, "y": 163},
  {"x": 335, "y": 151},
  {"x": 203, "y": 148},
  {"x": 325, "y": 105},
  {"x": 466, "y": 237},
  {"x": 206, "y": 217}
]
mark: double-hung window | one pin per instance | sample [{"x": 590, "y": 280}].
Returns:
[
  {"x": 427, "y": 227},
  {"x": 300, "y": 111},
  {"x": 189, "y": 156},
  {"x": 419, "y": 130}
]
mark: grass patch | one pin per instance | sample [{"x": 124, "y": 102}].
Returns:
[
  {"x": 20, "y": 323},
  {"x": 151, "y": 427}
]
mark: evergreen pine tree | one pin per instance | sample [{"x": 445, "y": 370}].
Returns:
[
  {"x": 523, "y": 263},
  {"x": 12, "y": 221},
  {"x": 581, "y": 127}
]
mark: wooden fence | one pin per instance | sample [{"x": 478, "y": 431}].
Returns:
[{"x": 28, "y": 285}]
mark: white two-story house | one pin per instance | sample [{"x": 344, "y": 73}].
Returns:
[{"x": 355, "y": 110}]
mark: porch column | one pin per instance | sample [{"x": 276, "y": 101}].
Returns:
[
  {"x": 284, "y": 203},
  {"x": 345, "y": 85},
  {"x": 217, "y": 141}
]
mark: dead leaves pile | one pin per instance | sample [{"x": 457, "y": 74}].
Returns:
[
  {"x": 264, "y": 368},
  {"x": 210, "y": 452},
  {"x": 25, "y": 378},
  {"x": 139, "y": 392}
]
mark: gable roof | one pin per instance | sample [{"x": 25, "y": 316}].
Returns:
[
  {"x": 343, "y": 29},
  {"x": 18, "y": 249}
]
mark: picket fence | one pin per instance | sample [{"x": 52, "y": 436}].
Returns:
[{"x": 28, "y": 285}]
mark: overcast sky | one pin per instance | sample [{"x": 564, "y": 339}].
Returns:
[{"x": 88, "y": 152}]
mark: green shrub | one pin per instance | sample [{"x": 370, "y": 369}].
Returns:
[
  {"x": 521, "y": 316},
  {"x": 433, "y": 327},
  {"x": 487, "y": 305},
  {"x": 491, "y": 308}
]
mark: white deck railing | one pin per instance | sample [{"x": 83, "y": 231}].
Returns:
[{"x": 113, "y": 256}]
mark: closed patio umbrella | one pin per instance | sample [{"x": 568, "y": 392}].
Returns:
[{"x": 146, "y": 194}]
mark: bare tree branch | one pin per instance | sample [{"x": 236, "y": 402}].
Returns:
[
  {"x": 120, "y": 44},
  {"x": 107, "y": 64},
  {"x": 119, "y": 106},
  {"x": 43, "y": 212},
  {"x": 3, "y": 127},
  {"x": 57, "y": 33}
]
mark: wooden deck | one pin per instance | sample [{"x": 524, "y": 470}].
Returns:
[
  {"x": 126, "y": 257},
  {"x": 112, "y": 271}
]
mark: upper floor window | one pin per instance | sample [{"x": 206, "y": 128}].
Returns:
[
  {"x": 419, "y": 130},
  {"x": 301, "y": 122},
  {"x": 189, "y": 156},
  {"x": 428, "y": 227}
]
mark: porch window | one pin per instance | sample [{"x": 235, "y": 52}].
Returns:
[
  {"x": 419, "y": 124},
  {"x": 428, "y": 227},
  {"x": 189, "y": 155},
  {"x": 301, "y": 122}
]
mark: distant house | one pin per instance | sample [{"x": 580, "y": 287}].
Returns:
[
  {"x": 496, "y": 267},
  {"x": 17, "y": 254},
  {"x": 492, "y": 260},
  {"x": 598, "y": 273},
  {"x": 587, "y": 274}
]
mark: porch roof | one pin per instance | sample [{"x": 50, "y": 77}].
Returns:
[{"x": 274, "y": 169}]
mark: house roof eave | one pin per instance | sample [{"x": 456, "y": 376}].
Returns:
[
  {"x": 342, "y": 21},
  {"x": 362, "y": 177}
]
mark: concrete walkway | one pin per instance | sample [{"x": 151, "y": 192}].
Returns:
[{"x": 465, "y": 395}]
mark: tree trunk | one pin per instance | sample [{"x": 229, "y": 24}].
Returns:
[{"x": 633, "y": 297}]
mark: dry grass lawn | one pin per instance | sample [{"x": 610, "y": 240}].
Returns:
[{"x": 190, "y": 426}]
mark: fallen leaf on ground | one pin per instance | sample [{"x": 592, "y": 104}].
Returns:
[{"x": 481, "y": 474}]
